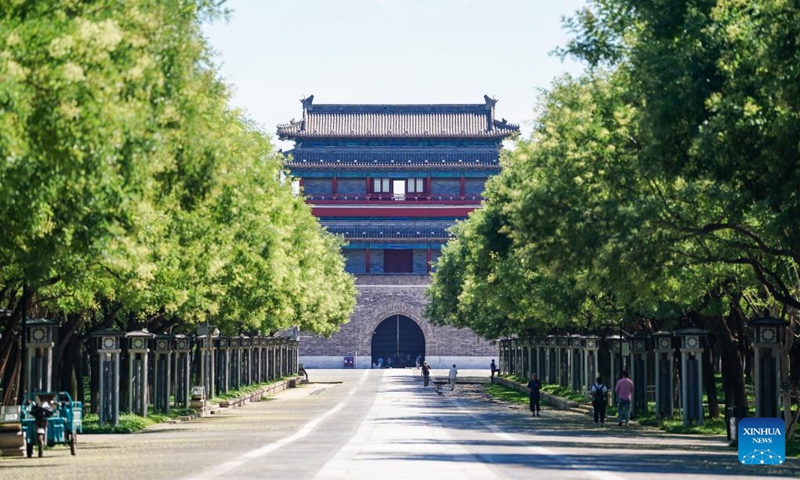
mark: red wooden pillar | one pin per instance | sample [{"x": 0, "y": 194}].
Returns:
[
  {"x": 334, "y": 187},
  {"x": 463, "y": 187},
  {"x": 367, "y": 258},
  {"x": 428, "y": 187},
  {"x": 369, "y": 189},
  {"x": 429, "y": 259}
]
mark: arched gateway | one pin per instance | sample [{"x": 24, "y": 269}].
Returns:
[{"x": 400, "y": 339}]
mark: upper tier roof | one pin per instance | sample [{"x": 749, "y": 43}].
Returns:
[{"x": 397, "y": 121}]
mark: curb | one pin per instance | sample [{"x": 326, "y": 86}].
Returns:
[{"x": 262, "y": 392}]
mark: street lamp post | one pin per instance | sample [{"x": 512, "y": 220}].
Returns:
[
  {"x": 768, "y": 347},
  {"x": 665, "y": 373},
  {"x": 621, "y": 367},
  {"x": 640, "y": 344},
  {"x": 692, "y": 374},
  {"x": 620, "y": 346}
]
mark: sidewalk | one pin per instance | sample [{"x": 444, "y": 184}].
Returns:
[{"x": 643, "y": 449}]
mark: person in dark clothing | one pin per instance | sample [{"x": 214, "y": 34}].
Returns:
[
  {"x": 493, "y": 369},
  {"x": 535, "y": 387},
  {"x": 426, "y": 373},
  {"x": 599, "y": 394}
]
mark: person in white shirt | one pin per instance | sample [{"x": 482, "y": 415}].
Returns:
[{"x": 453, "y": 374}]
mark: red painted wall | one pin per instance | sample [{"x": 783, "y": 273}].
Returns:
[{"x": 392, "y": 212}]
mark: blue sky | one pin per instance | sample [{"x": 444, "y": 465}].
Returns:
[{"x": 389, "y": 51}]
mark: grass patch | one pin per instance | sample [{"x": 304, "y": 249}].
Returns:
[
  {"x": 793, "y": 449},
  {"x": 710, "y": 426},
  {"x": 131, "y": 423},
  {"x": 551, "y": 389},
  {"x": 505, "y": 394},
  {"x": 516, "y": 378},
  {"x": 564, "y": 392}
]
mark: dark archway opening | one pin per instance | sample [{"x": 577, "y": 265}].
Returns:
[{"x": 396, "y": 342}]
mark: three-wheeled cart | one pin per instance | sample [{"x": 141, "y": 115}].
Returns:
[{"x": 50, "y": 418}]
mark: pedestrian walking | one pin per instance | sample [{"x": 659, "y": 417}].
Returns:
[
  {"x": 535, "y": 388},
  {"x": 452, "y": 376},
  {"x": 493, "y": 369},
  {"x": 426, "y": 373},
  {"x": 624, "y": 389},
  {"x": 599, "y": 394}
]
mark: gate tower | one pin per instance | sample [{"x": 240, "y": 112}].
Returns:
[{"x": 391, "y": 179}]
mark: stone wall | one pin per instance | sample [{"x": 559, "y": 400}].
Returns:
[
  {"x": 356, "y": 260},
  {"x": 376, "y": 261},
  {"x": 474, "y": 186},
  {"x": 317, "y": 186},
  {"x": 436, "y": 362},
  {"x": 420, "y": 261},
  {"x": 380, "y": 297},
  {"x": 352, "y": 186},
  {"x": 445, "y": 186}
]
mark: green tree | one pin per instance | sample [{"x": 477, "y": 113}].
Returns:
[
  {"x": 719, "y": 80},
  {"x": 133, "y": 196}
]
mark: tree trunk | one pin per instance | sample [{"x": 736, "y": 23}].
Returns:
[
  {"x": 11, "y": 391},
  {"x": 732, "y": 368},
  {"x": 68, "y": 354},
  {"x": 709, "y": 381},
  {"x": 70, "y": 371},
  {"x": 789, "y": 385},
  {"x": 11, "y": 351},
  {"x": 94, "y": 383}
]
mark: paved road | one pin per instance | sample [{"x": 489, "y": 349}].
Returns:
[{"x": 382, "y": 424}]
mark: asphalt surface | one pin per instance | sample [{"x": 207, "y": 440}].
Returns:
[{"x": 383, "y": 424}]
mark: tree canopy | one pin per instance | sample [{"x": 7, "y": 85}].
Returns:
[
  {"x": 133, "y": 195},
  {"x": 658, "y": 188},
  {"x": 661, "y": 174}
]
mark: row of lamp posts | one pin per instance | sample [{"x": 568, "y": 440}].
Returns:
[
  {"x": 239, "y": 361},
  {"x": 573, "y": 361}
]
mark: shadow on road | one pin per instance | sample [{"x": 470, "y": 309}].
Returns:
[{"x": 631, "y": 450}]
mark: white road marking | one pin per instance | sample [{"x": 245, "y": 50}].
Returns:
[
  {"x": 270, "y": 447},
  {"x": 373, "y": 452}
]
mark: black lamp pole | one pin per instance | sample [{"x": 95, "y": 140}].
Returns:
[
  {"x": 621, "y": 367},
  {"x": 23, "y": 348}
]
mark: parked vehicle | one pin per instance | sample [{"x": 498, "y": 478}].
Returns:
[{"x": 50, "y": 418}]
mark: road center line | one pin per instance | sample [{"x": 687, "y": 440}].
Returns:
[{"x": 270, "y": 447}]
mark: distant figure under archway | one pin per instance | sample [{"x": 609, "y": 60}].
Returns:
[{"x": 398, "y": 341}]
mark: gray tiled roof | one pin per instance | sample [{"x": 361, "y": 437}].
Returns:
[
  {"x": 397, "y": 121},
  {"x": 398, "y": 230}
]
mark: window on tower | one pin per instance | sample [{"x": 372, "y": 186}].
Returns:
[
  {"x": 380, "y": 185},
  {"x": 416, "y": 185}
]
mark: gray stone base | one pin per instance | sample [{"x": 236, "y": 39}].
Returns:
[
  {"x": 363, "y": 362},
  {"x": 380, "y": 298}
]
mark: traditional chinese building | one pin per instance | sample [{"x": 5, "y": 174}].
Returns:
[{"x": 391, "y": 179}]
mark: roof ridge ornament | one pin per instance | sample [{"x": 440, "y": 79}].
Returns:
[
  {"x": 490, "y": 101},
  {"x": 503, "y": 123},
  {"x": 307, "y": 101}
]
